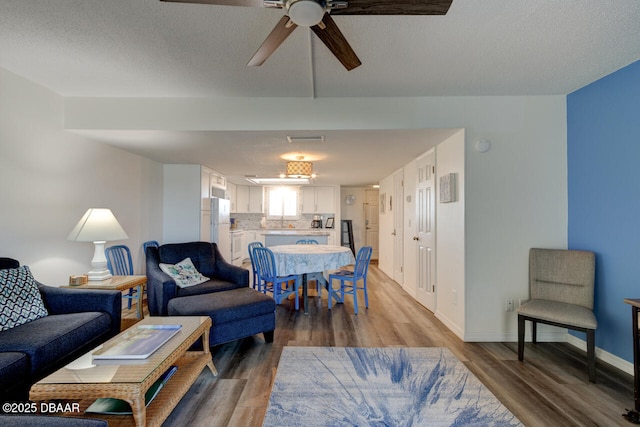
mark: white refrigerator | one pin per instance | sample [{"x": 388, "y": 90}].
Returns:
[{"x": 220, "y": 226}]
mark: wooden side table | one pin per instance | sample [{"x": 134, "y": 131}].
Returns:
[
  {"x": 118, "y": 283},
  {"x": 634, "y": 416}
]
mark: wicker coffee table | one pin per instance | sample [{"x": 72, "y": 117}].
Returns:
[{"x": 81, "y": 381}]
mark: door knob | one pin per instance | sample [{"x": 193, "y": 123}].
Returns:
[{"x": 416, "y": 238}]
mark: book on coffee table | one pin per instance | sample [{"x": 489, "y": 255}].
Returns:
[
  {"x": 111, "y": 406},
  {"x": 139, "y": 342}
]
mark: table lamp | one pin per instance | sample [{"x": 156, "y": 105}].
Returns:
[{"x": 98, "y": 226}]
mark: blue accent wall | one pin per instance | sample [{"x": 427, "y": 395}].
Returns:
[{"x": 603, "y": 143}]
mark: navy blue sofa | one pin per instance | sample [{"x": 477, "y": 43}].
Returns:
[
  {"x": 236, "y": 310},
  {"x": 78, "y": 321}
]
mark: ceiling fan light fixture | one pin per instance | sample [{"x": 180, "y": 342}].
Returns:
[{"x": 305, "y": 13}]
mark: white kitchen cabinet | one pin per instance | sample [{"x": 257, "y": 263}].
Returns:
[
  {"x": 249, "y": 199},
  {"x": 331, "y": 239},
  {"x": 318, "y": 200},
  {"x": 242, "y": 199},
  {"x": 218, "y": 181},
  {"x": 232, "y": 196},
  {"x": 256, "y": 200}
]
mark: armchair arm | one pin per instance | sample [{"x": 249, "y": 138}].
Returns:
[
  {"x": 161, "y": 288},
  {"x": 229, "y": 272},
  {"x": 232, "y": 273},
  {"x": 65, "y": 300}
]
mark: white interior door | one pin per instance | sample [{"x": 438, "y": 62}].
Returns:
[
  {"x": 372, "y": 224},
  {"x": 410, "y": 230},
  {"x": 397, "y": 210},
  {"x": 425, "y": 236}
]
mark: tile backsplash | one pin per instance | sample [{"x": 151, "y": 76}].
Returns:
[{"x": 247, "y": 221}]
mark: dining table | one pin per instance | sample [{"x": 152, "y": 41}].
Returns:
[{"x": 301, "y": 260}]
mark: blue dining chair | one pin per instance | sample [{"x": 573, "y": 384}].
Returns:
[
  {"x": 349, "y": 280},
  {"x": 119, "y": 264},
  {"x": 253, "y": 263},
  {"x": 269, "y": 281},
  {"x": 321, "y": 282}
]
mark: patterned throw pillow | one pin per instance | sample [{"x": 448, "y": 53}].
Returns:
[
  {"x": 184, "y": 273},
  {"x": 20, "y": 300}
]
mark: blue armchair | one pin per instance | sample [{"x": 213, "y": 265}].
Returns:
[{"x": 236, "y": 310}]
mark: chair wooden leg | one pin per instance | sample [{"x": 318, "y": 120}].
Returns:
[
  {"x": 521, "y": 324},
  {"x": 591, "y": 354},
  {"x": 534, "y": 332}
]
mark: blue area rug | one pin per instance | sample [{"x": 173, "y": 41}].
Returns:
[{"x": 399, "y": 387}]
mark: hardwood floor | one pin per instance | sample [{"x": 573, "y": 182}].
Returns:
[{"x": 549, "y": 389}]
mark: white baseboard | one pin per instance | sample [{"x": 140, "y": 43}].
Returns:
[
  {"x": 543, "y": 336},
  {"x": 549, "y": 336},
  {"x": 451, "y": 325},
  {"x": 603, "y": 355}
]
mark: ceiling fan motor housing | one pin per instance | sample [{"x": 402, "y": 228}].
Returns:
[{"x": 305, "y": 13}]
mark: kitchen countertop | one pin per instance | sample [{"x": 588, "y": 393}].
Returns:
[{"x": 297, "y": 231}]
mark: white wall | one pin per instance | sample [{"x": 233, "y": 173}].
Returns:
[
  {"x": 516, "y": 198},
  {"x": 385, "y": 251},
  {"x": 49, "y": 177},
  {"x": 516, "y": 193},
  {"x": 450, "y": 238}
]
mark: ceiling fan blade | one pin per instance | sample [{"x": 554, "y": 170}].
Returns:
[
  {"x": 333, "y": 38},
  {"x": 251, "y": 3},
  {"x": 280, "y": 32},
  {"x": 395, "y": 7}
]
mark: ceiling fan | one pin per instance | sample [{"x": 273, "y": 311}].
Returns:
[{"x": 316, "y": 15}]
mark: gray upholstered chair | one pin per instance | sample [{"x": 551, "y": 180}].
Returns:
[{"x": 561, "y": 294}]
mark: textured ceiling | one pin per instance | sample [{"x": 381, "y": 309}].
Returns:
[
  {"x": 148, "y": 48},
  {"x": 152, "y": 48}
]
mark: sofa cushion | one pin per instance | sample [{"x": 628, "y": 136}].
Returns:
[
  {"x": 559, "y": 312},
  {"x": 14, "y": 367},
  {"x": 20, "y": 300},
  {"x": 49, "y": 339},
  {"x": 224, "y": 307},
  {"x": 184, "y": 273}
]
